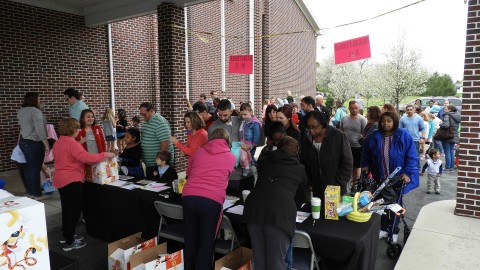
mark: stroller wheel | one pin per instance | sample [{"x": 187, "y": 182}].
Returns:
[{"x": 393, "y": 251}]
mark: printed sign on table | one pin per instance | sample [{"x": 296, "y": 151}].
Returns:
[
  {"x": 240, "y": 64},
  {"x": 23, "y": 234},
  {"x": 352, "y": 50}
]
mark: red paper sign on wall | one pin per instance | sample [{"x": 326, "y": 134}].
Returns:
[
  {"x": 240, "y": 64},
  {"x": 352, "y": 50}
]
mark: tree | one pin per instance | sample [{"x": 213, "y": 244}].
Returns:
[
  {"x": 401, "y": 74},
  {"x": 324, "y": 74},
  {"x": 344, "y": 80},
  {"x": 440, "y": 85}
]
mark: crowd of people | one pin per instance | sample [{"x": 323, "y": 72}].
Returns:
[{"x": 307, "y": 147}]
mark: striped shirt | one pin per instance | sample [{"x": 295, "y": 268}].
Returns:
[{"x": 153, "y": 133}]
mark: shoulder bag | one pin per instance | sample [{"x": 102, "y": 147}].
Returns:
[{"x": 445, "y": 133}]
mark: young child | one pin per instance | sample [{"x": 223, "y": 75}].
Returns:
[
  {"x": 136, "y": 122},
  {"x": 108, "y": 121},
  {"x": 249, "y": 136},
  {"x": 164, "y": 173},
  {"x": 129, "y": 159},
  {"x": 433, "y": 165},
  {"x": 121, "y": 127},
  {"x": 70, "y": 160}
]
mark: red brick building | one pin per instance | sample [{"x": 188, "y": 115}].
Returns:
[
  {"x": 468, "y": 185},
  {"x": 51, "y": 46}
]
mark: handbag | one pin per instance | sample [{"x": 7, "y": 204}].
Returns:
[
  {"x": 48, "y": 186},
  {"x": 444, "y": 133}
]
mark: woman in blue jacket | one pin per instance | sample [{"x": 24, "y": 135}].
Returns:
[{"x": 387, "y": 148}]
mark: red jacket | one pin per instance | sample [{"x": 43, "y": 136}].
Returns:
[
  {"x": 194, "y": 142},
  {"x": 70, "y": 160},
  {"x": 99, "y": 138}
]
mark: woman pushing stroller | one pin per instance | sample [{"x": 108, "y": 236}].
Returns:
[{"x": 386, "y": 149}]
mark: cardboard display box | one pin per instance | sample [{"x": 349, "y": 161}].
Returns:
[
  {"x": 138, "y": 261},
  {"x": 104, "y": 172},
  {"x": 241, "y": 258},
  {"x": 119, "y": 252},
  {"x": 23, "y": 234}
]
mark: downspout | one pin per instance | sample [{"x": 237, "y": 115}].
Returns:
[
  {"x": 110, "y": 65},
  {"x": 187, "y": 76},
  {"x": 251, "y": 36},
  {"x": 222, "y": 41}
]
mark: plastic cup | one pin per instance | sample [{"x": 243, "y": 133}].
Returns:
[
  {"x": 316, "y": 202},
  {"x": 175, "y": 185},
  {"x": 245, "y": 194}
]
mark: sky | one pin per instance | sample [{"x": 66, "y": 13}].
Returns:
[{"x": 435, "y": 28}]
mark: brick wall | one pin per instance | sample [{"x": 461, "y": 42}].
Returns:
[
  {"x": 172, "y": 72},
  {"x": 291, "y": 58},
  {"x": 135, "y": 63},
  {"x": 468, "y": 185},
  {"x": 47, "y": 51},
  {"x": 281, "y": 63}
]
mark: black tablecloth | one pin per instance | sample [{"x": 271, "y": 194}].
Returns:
[
  {"x": 112, "y": 213},
  {"x": 343, "y": 244}
]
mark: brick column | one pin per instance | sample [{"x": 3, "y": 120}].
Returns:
[
  {"x": 171, "y": 50},
  {"x": 468, "y": 184}
]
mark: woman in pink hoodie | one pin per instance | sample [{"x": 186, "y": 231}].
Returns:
[
  {"x": 203, "y": 196},
  {"x": 70, "y": 160}
]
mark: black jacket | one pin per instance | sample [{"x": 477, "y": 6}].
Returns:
[
  {"x": 281, "y": 187},
  {"x": 169, "y": 175},
  {"x": 332, "y": 165}
]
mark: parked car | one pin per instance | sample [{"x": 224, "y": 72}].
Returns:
[{"x": 457, "y": 102}]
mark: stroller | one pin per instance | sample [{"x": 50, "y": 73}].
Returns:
[{"x": 391, "y": 192}]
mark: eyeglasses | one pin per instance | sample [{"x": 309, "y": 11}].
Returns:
[{"x": 310, "y": 128}]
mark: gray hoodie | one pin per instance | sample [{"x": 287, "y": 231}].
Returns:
[{"x": 452, "y": 119}]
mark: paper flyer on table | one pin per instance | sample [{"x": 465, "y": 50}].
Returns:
[
  {"x": 236, "y": 210},
  {"x": 118, "y": 183},
  {"x": 131, "y": 186},
  {"x": 156, "y": 187},
  {"x": 227, "y": 204},
  {"x": 301, "y": 216}
]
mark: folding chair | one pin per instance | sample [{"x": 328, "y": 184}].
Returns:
[
  {"x": 173, "y": 230},
  {"x": 226, "y": 246},
  {"x": 303, "y": 253}
]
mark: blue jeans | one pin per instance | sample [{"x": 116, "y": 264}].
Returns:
[
  {"x": 449, "y": 148},
  {"x": 34, "y": 154},
  {"x": 437, "y": 144},
  {"x": 417, "y": 145},
  {"x": 289, "y": 257}
]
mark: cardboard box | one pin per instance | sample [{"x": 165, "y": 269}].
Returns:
[
  {"x": 138, "y": 261},
  {"x": 241, "y": 258},
  {"x": 119, "y": 252},
  {"x": 174, "y": 261},
  {"x": 332, "y": 199},
  {"x": 104, "y": 172},
  {"x": 23, "y": 234}
]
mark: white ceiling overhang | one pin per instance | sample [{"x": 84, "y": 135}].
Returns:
[{"x": 101, "y": 12}]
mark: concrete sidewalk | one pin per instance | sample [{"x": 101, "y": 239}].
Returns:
[{"x": 441, "y": 240}]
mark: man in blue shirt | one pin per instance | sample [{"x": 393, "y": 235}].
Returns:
[
  {"x": 77, "y": 105},
  {"x": 414, "y": 124}
]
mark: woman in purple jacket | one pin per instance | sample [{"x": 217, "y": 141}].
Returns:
[{"x": 203, "y": 196}]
